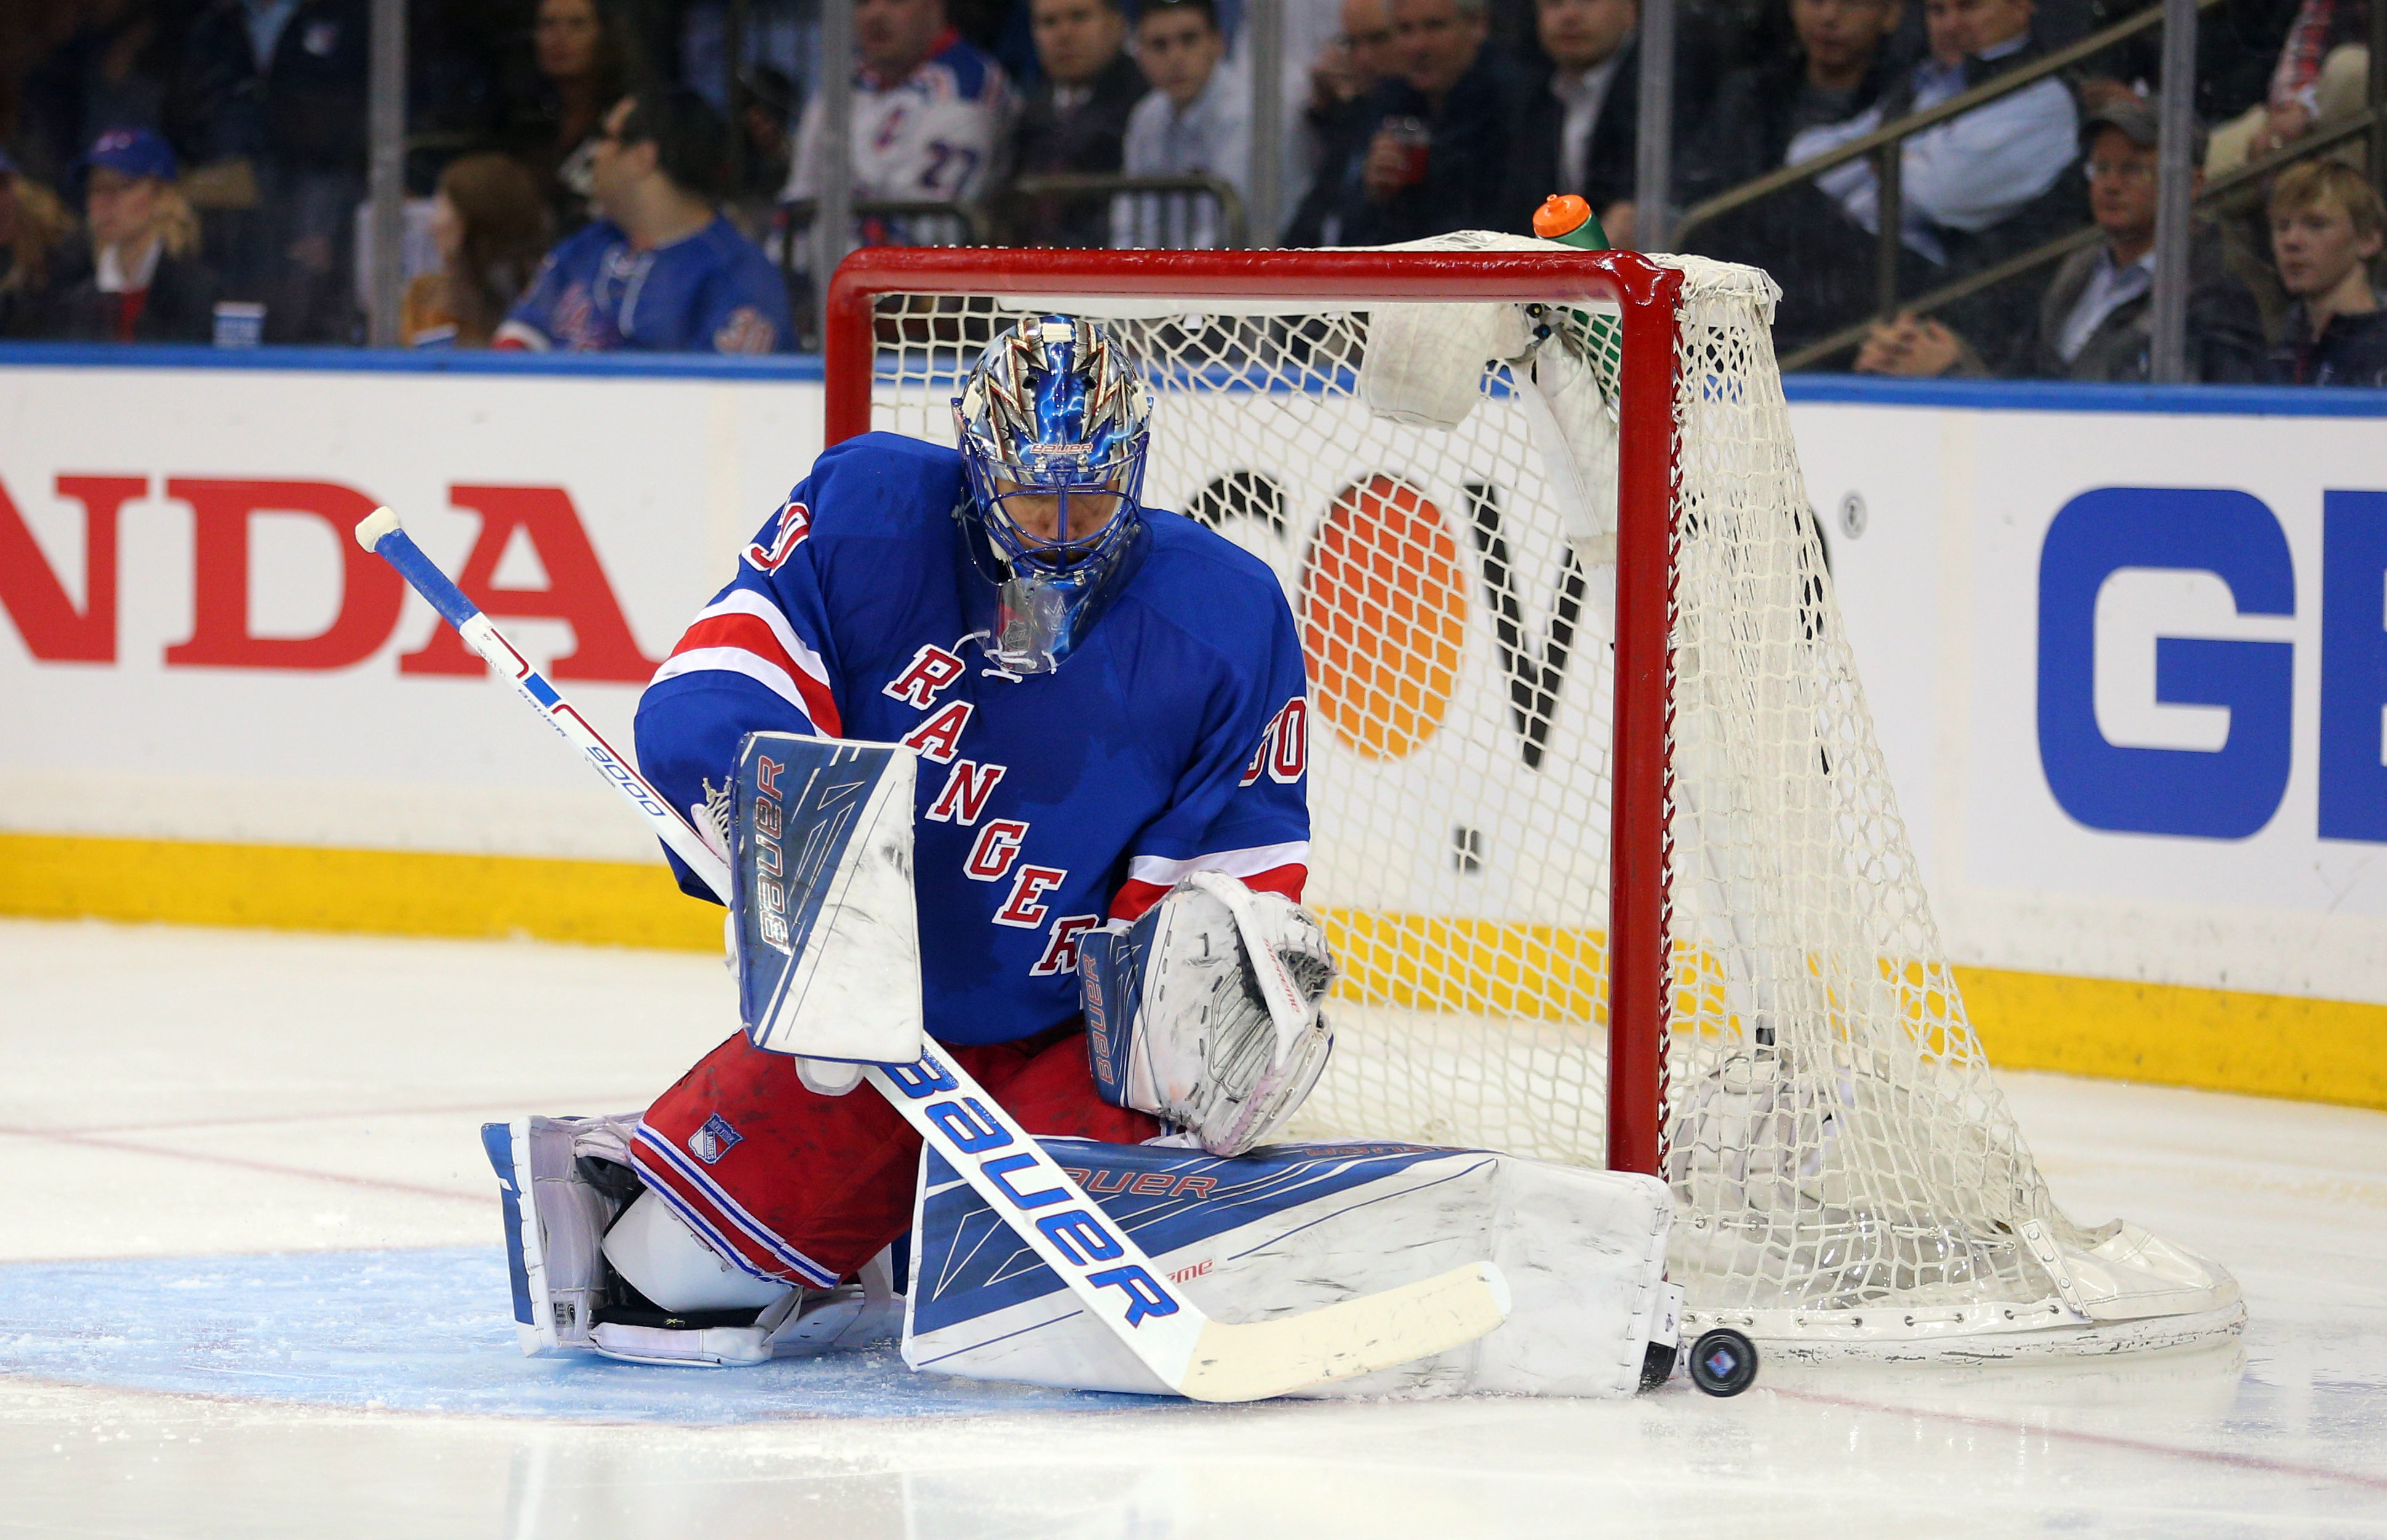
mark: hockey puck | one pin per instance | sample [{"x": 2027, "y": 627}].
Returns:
[{"x": 1723, "y": 1363}]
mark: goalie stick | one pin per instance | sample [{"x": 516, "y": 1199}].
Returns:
[{"x": 1205, "y": 1360}]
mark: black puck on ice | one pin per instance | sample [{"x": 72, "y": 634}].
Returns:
[{"x": 1723, "y": 1363}]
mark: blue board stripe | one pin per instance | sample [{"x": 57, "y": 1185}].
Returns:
[{"x": 1801, "y": 390}]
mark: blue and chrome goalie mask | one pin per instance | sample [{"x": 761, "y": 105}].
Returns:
[{"x": 1053, "y": 422}]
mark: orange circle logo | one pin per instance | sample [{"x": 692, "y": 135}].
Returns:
[{"x": 1383, "y": 617}]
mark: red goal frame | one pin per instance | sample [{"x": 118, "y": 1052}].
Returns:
[{"x": 1640, "y": 973}]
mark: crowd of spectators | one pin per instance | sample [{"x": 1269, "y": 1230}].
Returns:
[{"x": 601, "y": 173}]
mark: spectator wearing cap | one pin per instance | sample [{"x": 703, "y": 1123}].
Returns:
[
  {"x": 1075, "y": 121},
  {"x": 1195, "y": 121},
  {"x": 2325, "y": 230},
  {"x": 143, "y": 280},
  {"x": 1440, "y": 132},
  {"x": 2096, "y": 319},
  {"x": 278, "y": 87},
  {"x": 764, "y": 121},
  {"x": 660, "y": 269},
  {"x": 33, "y": 225}
]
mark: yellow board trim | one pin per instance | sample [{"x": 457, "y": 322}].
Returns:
[
  {"x": 2167, "y": 1034},
  {"x": 385, "y": 892}
]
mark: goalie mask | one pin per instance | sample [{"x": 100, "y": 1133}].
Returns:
[{"x": 1053, "y": 420}]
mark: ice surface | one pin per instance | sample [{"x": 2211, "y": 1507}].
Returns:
[
  {"x": 250, "y": 1285},
  {"x": 421, "y": 1331}
]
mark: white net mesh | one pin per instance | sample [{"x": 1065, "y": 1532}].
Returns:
[{"x": 1845, "y": 1165}]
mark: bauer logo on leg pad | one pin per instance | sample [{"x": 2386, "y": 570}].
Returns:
[
  {"x": 711, "y": 1142},
  {"x": 828, "y": 957}
]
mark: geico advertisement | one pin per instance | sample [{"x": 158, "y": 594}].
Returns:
[
  {"x": 199, "y": 649},
  {"x": 2132, "y": 673}
]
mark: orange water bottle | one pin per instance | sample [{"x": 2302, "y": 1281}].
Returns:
[
  {"x": 1567, "y": 218},
  {"x": 1599, "y": 340}
]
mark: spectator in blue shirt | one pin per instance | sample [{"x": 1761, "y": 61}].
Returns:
[
  {"x": 1972, "y": 173},
  {"x": 659, "y": 270}
]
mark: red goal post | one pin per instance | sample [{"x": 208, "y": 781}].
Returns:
[{"x": 1640, "y": 979}]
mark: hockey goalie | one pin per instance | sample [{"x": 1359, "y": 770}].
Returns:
[{"x": 1009, "y": 767}]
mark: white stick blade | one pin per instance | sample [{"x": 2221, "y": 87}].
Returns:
[{"x": 1262, "y": 1359}]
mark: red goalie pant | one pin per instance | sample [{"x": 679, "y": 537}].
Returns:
[{"x": 807, "y": 1188}]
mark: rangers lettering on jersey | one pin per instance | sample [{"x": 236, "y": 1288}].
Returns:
[
  {"x": 937, "y": 737},
  {"x": 931, "y": 670},
  {"x": 965, "y": 793},
  {"x": 1063, "y": 798}
]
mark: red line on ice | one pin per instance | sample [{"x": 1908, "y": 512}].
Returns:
[
  {"x": 268, "y": 1166},
  {"x": 2248, "y": 1462}
]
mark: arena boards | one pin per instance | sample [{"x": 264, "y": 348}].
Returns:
[{"x": 2201, "y": 952}]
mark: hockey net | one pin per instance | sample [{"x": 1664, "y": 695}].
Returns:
[{"x": 1848, "y": 1177}]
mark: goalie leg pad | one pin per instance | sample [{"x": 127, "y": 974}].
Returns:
[
  {"x": 1297, "y": 1227},
  {"x": 1205, "y": 1012},
  {"x": 555, "y": 1220}
]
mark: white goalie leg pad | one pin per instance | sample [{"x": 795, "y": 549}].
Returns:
[
  {"x": 1298, "y": 1227},
  {"x": 555, "y": 1222},
  {"x": 1204, "y": 1013}
]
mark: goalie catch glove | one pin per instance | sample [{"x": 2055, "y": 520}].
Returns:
[{"x": 1204, "y": 1013}]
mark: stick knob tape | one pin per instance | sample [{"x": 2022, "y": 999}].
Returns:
[{"x": 380, "y": 533}]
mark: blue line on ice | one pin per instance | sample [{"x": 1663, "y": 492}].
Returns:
[{"x": 420, "y": 1331}]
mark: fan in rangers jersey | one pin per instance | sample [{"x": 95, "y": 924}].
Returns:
[
  {"x": 1105, "y": 698},
  {"x": 930, "y": 110},
  {"x": 661, "y": 271}
]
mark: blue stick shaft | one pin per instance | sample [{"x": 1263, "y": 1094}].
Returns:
[{"x": 397, "y": 548}]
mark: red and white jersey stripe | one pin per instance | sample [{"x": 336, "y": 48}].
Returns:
[
  {"x": 1265, "y": 868},
  {"x": 744, "y": 633}
]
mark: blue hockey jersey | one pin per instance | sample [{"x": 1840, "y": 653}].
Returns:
[
  {"x": 1174, "y": 738},
  {"x": 714, "y": 290}
]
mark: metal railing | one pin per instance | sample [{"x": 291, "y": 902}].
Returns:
[
  {"x": 2217, "y": 192},
  {"x": 1885, "y": 144},
  {"x": 1234, "y": 229},
  {"x": 913, "y": 221}
]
